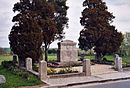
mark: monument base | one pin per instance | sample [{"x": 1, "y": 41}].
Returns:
[{"x": 65, "y": 64}]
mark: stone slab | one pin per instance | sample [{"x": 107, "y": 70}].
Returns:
[{"x": 67, "y": 51}]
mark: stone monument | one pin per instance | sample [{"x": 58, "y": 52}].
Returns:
[
  {"x": 118, "y": 63},
  {"x": 43, "y": 70},
  {"x": 29, "y": 64},
  {"x": 67, "y": 51}
]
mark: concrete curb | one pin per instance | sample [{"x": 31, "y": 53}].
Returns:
[
  {"x": 89, "y": 82},
  {"x": 98, "y": 81}
]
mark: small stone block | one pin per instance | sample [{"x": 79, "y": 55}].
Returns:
[
  {"x": 43, "y": 70},
  {"x": 29, "y": 64},
  {"x": 87, "y": 67}
]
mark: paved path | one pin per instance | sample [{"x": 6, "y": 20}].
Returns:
[
  {"x": 85, "y": 80},
  {"x": 102, "y": 69}
]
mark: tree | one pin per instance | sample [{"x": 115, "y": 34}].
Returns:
[
  {"x": 2, "y": 50},
  {"x": 55, "y": 30},
  {"x": 27, "y": 35},
  {"x": 127, "y": 39},
  {"x": 125, "y": 46},
  {"x": 49, "y": 32},
  {"x": 60, "y": 16},
  {"x": 98, "y": 33}
]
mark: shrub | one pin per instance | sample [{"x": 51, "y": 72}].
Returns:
[
  {"x": 124, "y": 64},
  {"x": 7, "y": 64}
]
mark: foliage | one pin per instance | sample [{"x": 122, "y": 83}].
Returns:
[
  {"x": 55, "y": 65},
  {"x": 67, "y": 70},
  {"x": 52, "y": 51},
  {"x": 3, "y": 50},
  {"x": 124, "y": 64},
  {"x": 15, "y": 70},
  {"x": 16, "y": 81},
  {"x": 98, "y": 33},
  {"x": 125, "y": 46},
  {"x": 60, "y": 16},
  {"x": 55, "y": 30},
  {"x": 127, "y": 39},
  {"x": 51, "y": 71},
  {"x": 88, "y": 52},
  {"x": 104, "y": 61},
  {"x": 26, "y": 35}
]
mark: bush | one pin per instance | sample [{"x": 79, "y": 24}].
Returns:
[
  {"x": 52, "y": 51},
  {"x": 7, "y": 64}
]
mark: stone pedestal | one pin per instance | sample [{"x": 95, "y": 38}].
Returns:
[
  {"x": 118, "y": 63},
  {"x": 14, "y": 59},
  {"x": 87, "y": 67},
  {"x": 43, "y": 70},
  {"x": 67, "y": 51},
  {"x": 29, "y": 64}
]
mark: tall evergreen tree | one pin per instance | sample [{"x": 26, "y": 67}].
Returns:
[
  {"x": 60, "y": 16},
  {"x": 27, "y": 34},
  {"x": 98, "y": 31}
]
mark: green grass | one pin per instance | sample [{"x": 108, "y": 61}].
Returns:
[
  {"x": 5, "y": 58},
  {"x": 53, "y": 57},
  {"x": 16, "y": 81},
  {"x": 124, "y": 58}
]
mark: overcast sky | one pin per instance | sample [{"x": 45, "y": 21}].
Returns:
[{"x": 119, "y": 8}]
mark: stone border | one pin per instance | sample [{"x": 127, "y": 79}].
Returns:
[
  {"x": 66, "y": 75},
  {"x": 42, "y": 74}
]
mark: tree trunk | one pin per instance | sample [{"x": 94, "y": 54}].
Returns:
[
  {"x": 98, "y": 57},
  {"x": 21, "y": 62},
  {"x": 46, "y": 53}
]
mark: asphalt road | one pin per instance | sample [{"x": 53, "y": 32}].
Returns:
[{"x": 122, "y": 84}]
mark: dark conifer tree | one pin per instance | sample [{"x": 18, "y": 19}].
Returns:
[
  {"x": 98, "y": 33},
  {"x": 60, "y": 17},
  {"x": 27, "y": 34}
]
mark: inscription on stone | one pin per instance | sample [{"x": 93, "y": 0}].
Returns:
[{"x": 67, "y": 51}]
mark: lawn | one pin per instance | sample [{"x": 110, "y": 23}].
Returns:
[
  {"x": 16, "y": 81},
  {"x": 53, "y": 57},
  {"x": 124, "y": 58},
  {"x": 5, "y": 58}
]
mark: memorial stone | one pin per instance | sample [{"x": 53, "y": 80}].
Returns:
[
  {"x": 87, "y": 67},
  {"x": 67, "y": 51},
  {"x": 43, "y": 70},
  {"x": 29, "y": 64}
]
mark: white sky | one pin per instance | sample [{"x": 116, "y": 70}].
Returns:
[{"x": 119, "y": 8}]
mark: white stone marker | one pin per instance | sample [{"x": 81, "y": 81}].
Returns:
[
  {"x": 118, "y": 63},
  {"x": 87, "y": 67},
  {"x": 43, "y": 70},
  {"x": 29, "y": 64}
]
